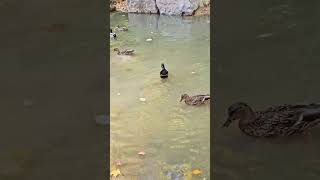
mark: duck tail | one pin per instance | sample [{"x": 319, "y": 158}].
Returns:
[{"x": 311, "y": 115}]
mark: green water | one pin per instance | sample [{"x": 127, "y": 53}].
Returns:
[{"x": 169, "y": 132}]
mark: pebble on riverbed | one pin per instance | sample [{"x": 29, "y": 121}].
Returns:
[{"x": 142, "y": 99}]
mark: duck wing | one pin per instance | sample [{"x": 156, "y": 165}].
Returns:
[
  {"x": 287, "y": 119},
  {"x": 199, "y": 98},
  {"x": 272, "y": 123},
  {"x": 164, "y": 72},
  {"x": 308, "y": 118},
  {"x": 128, "y": 50}
]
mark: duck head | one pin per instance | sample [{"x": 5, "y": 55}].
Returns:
[
  {"x": 238, "y": 111},
  {"x": 110, "y": 30},
  {"x": 184, "y": 96},
  {"x": 116, "y": 49},
  {"x": 162, "y": 66}
]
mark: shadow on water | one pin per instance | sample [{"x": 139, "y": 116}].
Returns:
[
  {"x": 272, "y": 58},
  {"x": 53, "y": 83}
]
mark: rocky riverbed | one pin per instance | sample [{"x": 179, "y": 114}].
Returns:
[{"x": 164, "y": 7}]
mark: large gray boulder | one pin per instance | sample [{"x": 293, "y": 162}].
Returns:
[
  {"x": 142, "y": 6},
  {"x": 177, "y": 7}
]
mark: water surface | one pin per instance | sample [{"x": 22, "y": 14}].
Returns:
[
  {"x": 169, "y": 132},
  {"x": 271, "y": 58}
]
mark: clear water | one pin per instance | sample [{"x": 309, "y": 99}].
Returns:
[{"x": 169, "y": 132}]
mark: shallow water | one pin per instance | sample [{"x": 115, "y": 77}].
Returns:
[
  {"x": 169, "y": 132},
  {"x": 269, "y": 59}
]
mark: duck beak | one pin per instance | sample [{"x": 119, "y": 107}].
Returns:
[{"x": 227, "y": 123}]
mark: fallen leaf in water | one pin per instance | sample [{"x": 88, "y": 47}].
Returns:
[
  {"x": 141, "y": 153},
  {"x": 115, "y": 173},
  {"x": 187, "y": 174},
  {"x": 196, "y": 171},
  {"x": 118, "y": 162}
]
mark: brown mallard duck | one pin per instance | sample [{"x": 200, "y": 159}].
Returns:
[
  {"x": 284, "y": 120},
  {"x": 124, "y": 51},
  {"x": 195, "y": 100}
]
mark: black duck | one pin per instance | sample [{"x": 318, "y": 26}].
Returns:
[
  {"x": 163, "y": 73},
  {"x": 284, "y": 120},
  {"x": 113, "y": 35}
]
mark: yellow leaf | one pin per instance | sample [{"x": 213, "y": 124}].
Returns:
[
  {"x": 187, "y": 174},
  {"x": 115, "y": 173},
  {"x": 196, "y": 171}
]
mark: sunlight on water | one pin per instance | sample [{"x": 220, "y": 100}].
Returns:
[{"x": 169, "y": 132}]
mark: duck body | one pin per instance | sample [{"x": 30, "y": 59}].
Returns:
[
  {"x": 163, "y": 73},
  {"x": 284, "y": 120},
  {"x": 124, "y": 51},
  {"x": 113, "y": 35},
  {"x": 195, "y": 100},
  {"x": 118, "y": 28}
]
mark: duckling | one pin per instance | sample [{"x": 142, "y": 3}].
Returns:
[
  {"x": 118, "y": 28},
  {"x": 195, "y": 100},
  {"x": 284, "y": 120},
  {"x": 113, "y": 35},
  {"x": 163, "y": 73},
  {"x": 124, "y": 51}
]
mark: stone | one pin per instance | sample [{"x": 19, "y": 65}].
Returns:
[
  {"x": 112, "y": 8},
  {"x": 204, "y": 3},
  {"x": 142, "y": 6},
  {"x": 178, "y": 7}
]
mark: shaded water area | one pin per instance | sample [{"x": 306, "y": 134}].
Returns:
[
  {"x": 169, "y": 132},
  {"x": 271, "y": 58},
  {"x": 53, "y": 83}
]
